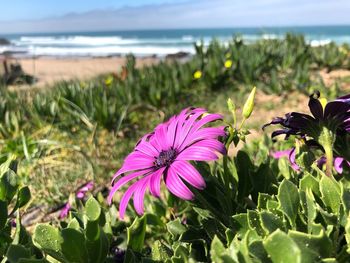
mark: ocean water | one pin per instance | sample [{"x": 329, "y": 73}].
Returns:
[{"x": 155, "y": 42}]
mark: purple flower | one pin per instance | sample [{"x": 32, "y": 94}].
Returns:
[
  {"x": 84, "y": 189},
  {"x": 164, "y": 155},
  {"x": 335, "y": 116},
  {"x": 290, "y": 153},
  {"x": 64, "y": 211}
]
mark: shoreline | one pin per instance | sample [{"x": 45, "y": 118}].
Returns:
[{"x": 50, "y": 70}]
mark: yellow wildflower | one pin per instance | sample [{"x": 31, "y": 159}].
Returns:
[
  {"x": 228, "y": 63},
  {"x": 197, "y": 74}
]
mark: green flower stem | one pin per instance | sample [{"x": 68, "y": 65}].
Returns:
[
  {"x": 327, "y": 139},
  {"x": 329, "y": 160}
]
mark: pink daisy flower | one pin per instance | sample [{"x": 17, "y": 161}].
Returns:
[{"x": 164, "y": 155}]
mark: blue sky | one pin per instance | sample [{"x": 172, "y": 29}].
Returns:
[
  {"x": 36, "y": 9},
  {"x": 99, "y": 15}
]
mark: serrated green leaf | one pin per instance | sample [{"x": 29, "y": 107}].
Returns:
[
  {"x": 254, "y": 222},
  {"x": 281, "y": 248},
  {"x": 175, "y": 227},
  {"x": 310, "y": 182},
  {"x": 219, "y": 254},
  {"x": 331, "y": 194},
  {"x": 288, "y": 198},
  {"x": 240, "y": 224},
  {"x": 270, "y": 222},
  {"x": 312, "y": 247}
]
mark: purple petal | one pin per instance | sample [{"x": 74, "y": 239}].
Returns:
[
  {"x": 292, "y": 156},
  {"x": 65, "y": 210},
  {"x": 188, "y": 173},
  {"x": 194, "y": 153},
  {"x": 155, "y": 181},
  {"x": 176, "y": 186},
  {"x": 316, "y": 107},
  {"x": 335, "y": 108}
]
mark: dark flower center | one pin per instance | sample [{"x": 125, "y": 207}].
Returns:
[{"x": 165, "y": 158}]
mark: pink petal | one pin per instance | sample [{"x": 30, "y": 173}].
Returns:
[
  {"x": 205, "y": 120},
  {"x": 205, "y": 133},
  {"x": 147, "y": 148},
  {"x": 185, "y": 126},
  {"x": 126, "y": 198},
  {"x": 280, "y": 154},
  {"x": 212, "y": 145},
  {"x": 124, "y": 180},
  {"x": 160, "y": 136},
  {"x": 338, "y": 164},
  {"x": 139, "y": 195},
  {"x": 80, "y": 195},
  {"x": 176, "y": 186},
  {"x": 195, "y": 153},
  {"x": 189, "y": 174},
  {"x": 155, "y": 182}
]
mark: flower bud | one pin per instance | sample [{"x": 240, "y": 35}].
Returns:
[
  {"x": 249, "y": 104},
  {"x": 232, "y": 107}
]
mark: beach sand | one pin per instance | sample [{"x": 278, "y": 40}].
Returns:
[{"x": 51, "y": 70}]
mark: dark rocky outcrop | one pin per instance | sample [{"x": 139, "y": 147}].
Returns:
[{"x": 4, "y": 42}]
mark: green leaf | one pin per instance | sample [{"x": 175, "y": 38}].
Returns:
[
  {"x": 136, "y": 234},
  {"x": 255, "y": 223},
  {"x": 73, "y": 246},
  {"x": 3, "y": 214},
  {"x": 310, "y": 182},
  {"x": 288, "y": 198},
  {"x": 218, "y": 252},
  {"x": 92, "y": 209},
  {"x": 347, "y": 233},
  {"x": 271, "y": 222},
  {"x": 257, "y": 250},
  {"x": 345, "y": 199},
  {"x": 282, "y": 249},
  {"x": 17, "y": 252},
  {"x": 331, "y": 194},
  {"x": 92, "y": 230},
  {"x": 23, "y": 196},
  {"x": 160, "y": 252},
  {"x": 48, "y": 238},
  {"x": 74, "y": 224},
  {"x": 312, "y": 247},
  {"x": 175, "y": 228},
  {"x": 8, "y": 185},
  {"x": 98, "y": 248}
]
